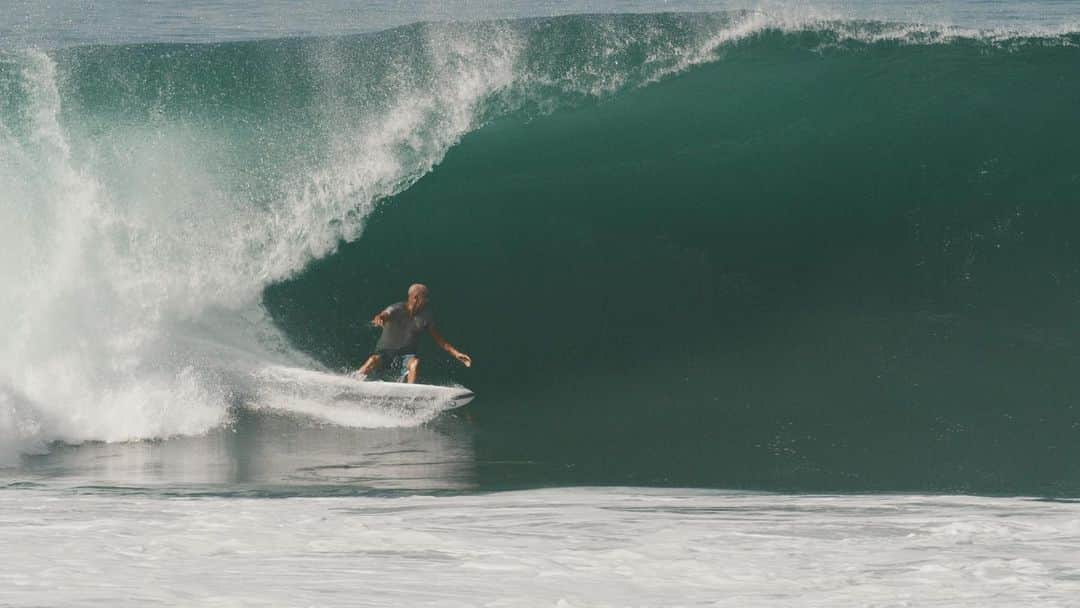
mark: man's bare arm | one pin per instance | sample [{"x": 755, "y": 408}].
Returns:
[{"x": 466, "y": 360}]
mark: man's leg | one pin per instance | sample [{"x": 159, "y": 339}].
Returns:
[
  {"x": 414, "y": 369},
  {"x": 370, "y": 365}
]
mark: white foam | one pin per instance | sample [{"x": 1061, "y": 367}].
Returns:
[
  {"x": 556, "y": 547},
  {"x": 349, "y": 402},
  {"x": 133, "y": 284}
]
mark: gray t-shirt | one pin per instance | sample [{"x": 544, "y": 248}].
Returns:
[{"x": 402, "y": 333}]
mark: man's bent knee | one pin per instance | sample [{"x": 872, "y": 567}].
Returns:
[{"x": 373, "y": 361}]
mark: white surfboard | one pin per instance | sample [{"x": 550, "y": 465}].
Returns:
[{"x": 346, "y": 388}]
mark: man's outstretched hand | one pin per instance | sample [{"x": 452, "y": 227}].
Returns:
[
  {"x": 466, "y": 360},
  {"x": 380, "y": 319}
]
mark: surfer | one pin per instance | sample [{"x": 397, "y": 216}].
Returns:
[{"x": 402, "y": 323}]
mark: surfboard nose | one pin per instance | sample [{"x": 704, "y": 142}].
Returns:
[{"x": 462, "y": 397}]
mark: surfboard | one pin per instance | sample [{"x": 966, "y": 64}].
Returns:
[{"x": 347, "y": 388}]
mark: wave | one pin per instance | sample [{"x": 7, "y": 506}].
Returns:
[
  {"x": 164, "y": 203},
  {"x": 153, "y": 191}
]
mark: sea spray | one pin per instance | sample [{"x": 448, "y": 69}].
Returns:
[{"x": 111, "y": 297}]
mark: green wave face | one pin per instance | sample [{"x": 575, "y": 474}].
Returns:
[
  {"x": 806, "y": 266},
  {"x": 705, "y": 250}
]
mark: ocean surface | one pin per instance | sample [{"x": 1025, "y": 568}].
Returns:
[{"x": 770, "y": 303}]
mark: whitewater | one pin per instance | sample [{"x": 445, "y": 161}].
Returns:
[
  {"x": 553, "y": 547},
  {"x": 135, "y": 278}
]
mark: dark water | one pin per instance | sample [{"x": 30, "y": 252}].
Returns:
[{"x": 797, "y": 268}]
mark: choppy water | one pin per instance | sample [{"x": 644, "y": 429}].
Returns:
[
  {"x": 70, "y": 22},
  {"x": 555, "y": 547}
]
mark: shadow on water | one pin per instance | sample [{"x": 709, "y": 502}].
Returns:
[{"x": 269, "y": 454}]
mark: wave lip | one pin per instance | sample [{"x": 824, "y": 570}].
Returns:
[{"x": 139, "y": 265}]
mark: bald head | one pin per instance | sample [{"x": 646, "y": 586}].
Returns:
[{"x": 418, "y": 297}]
